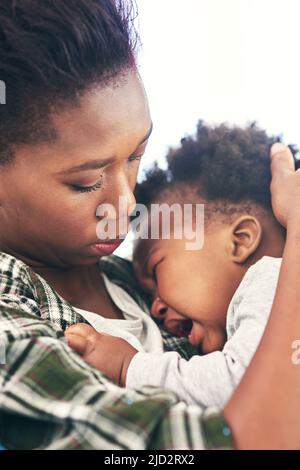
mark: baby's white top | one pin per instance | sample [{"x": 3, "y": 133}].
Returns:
[{"x": 137, "y": 328}]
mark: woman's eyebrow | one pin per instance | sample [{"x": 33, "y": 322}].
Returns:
[
  {"x": 91, "y": 165},
  {"x": 147, "y": 135},
  {"x": 97, "y": 164}
]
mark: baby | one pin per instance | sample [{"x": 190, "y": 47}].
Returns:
[{"x": 219, "y": 296}]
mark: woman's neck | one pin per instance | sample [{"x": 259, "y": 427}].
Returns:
[
  {"x": 83, "y": 287},
  {"x": 71, "y": 282}
]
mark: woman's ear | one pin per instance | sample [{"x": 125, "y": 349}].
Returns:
[{"x": 246, "y": 236}]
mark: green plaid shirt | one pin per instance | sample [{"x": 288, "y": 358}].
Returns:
[{"x": 51, "y": 399}]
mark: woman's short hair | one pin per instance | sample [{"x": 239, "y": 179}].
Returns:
[{"x": 51, "y": 53}]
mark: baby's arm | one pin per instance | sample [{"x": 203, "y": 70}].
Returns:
[
  {"x": 211, "y": 379},
  {"x": 203, "y": 380}
]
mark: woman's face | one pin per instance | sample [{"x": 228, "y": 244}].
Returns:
[{"x": 47, "y": 204}]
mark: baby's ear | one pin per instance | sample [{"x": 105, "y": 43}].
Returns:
[{"x": 246, "y": 234}]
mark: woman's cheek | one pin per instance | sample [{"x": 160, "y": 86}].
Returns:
[{"x": 75, "y": 223}]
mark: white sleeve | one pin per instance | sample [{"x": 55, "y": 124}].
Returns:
[{"x": 210, "y": 380}]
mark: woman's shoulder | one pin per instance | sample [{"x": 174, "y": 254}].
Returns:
[
  {"x": 15, "y": 276},
  {"x": 27, "y": 292}
]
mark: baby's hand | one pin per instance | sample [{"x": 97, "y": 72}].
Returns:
[
  {"x": 110, "y": 354},
  {"x": 285, "y": 186}
]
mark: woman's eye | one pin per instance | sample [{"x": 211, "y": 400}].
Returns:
[
  {"x": 87, "y": 189},
  {"x": 134, "y": 158}
]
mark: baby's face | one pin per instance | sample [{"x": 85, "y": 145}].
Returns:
[{"x": 191, "y": 289}]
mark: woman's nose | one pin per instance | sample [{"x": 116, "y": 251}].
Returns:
[
  {"x": 121, "y": 192},
  {"x": 116, "y": 211},
  {"x": 159, "y": 309},
  {"x": 125, "y": 202}
]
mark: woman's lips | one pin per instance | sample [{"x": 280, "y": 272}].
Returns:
[{"x": 105, "y": 248}]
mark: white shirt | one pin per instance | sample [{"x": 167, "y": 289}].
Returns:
[{"x": 138, "y": 328}]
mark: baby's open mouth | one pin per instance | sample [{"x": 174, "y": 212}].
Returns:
[
  {"x": 185, "y": 327},
  {"x": 181, "y": 328}
]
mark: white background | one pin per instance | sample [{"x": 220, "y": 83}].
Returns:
[{"x": 220, "y": 60}]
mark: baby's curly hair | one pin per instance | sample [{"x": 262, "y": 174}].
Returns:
[{"x": 226, "y": 167}]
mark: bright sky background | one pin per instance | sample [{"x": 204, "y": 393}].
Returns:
[{"x": 220, "y": 60}]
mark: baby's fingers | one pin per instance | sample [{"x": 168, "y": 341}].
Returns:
[
  {"x": 81, "y": 338},
  {"x": 81, "y": 329},
  {"x": 78, "y": 343}
]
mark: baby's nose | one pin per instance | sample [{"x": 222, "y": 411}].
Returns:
[{"x": 159, "y": 309}]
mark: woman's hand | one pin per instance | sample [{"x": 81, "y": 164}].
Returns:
[
  {"x": 264, "y": 410},
  {"x": 110, "y": 354},
  {"x": 285, "y": 185}
]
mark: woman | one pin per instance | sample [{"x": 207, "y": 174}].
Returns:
[{"x": 72, "y": 133}]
